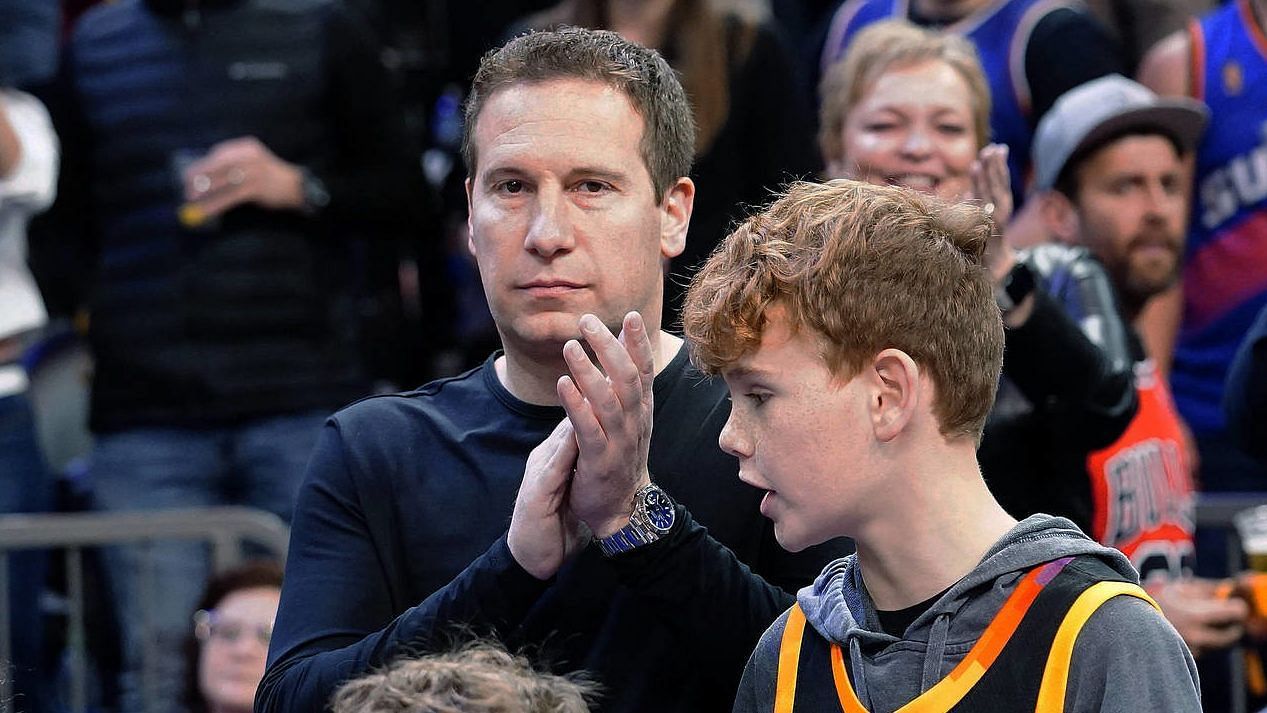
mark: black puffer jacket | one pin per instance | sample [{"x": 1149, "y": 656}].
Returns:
[{"x": 251, "y": 316}]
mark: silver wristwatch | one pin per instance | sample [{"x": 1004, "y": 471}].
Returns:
[{"x": 652, "y": 518}]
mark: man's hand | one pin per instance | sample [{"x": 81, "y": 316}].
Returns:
[
  {"x": 240, "y": 171},
  {"x": 1200, "y": 611},
  {"x": 612, "y": 418},
  {"x": 543, "y": 533}
]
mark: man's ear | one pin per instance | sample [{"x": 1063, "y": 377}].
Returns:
[
  {"x": 675, "y": 217},
  {"x": 470, "y": 242},
  {"x": 895, "y": 392},
  {"x": 1060, "y": 216}
]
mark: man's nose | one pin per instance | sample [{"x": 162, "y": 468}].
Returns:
[
  {"x": 1162, "y": 201},
  {"x": 551, "y": 229}
]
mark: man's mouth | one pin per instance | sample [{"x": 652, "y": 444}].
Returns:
[
  {"x": 1154, "y": 243},
  {"x": 550, "y": 287}
]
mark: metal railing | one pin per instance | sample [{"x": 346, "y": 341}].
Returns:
[{"x": 224, "y": 529}]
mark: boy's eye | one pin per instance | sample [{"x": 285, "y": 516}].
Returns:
[{"x": 757, "y": 398}]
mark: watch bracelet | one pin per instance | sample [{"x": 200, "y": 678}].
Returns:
[{"x": 637, "y": 532}]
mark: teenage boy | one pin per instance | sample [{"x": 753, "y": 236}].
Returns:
[{"x": 859, "y": 337}]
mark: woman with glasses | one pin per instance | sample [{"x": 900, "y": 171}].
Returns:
[{"x": 231, "y": 631}]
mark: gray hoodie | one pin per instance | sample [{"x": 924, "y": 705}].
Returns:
[{"x": 1128, "y": 658}]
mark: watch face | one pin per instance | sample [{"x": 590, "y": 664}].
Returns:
[{"x": 659, "y": 509}]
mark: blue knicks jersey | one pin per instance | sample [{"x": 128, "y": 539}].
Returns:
[
  {"x": 1225, "y": 266},
  {"x": 1000, "y": 32}
]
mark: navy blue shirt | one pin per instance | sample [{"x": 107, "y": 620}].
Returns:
[
  {"x": 399, "y": 534},
  {"x": 1245, "y": 396}
]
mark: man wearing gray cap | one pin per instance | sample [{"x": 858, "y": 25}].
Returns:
[{"x": 1109, "y": 160}]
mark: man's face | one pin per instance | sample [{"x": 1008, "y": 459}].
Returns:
[
  {"x": 799, "y": 434},
  {"x": 563, "y": 216},
  {"x": 1132, "y": 209}
]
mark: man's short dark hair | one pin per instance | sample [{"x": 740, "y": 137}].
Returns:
[
  {"x": 1068, "y": 183},
  {"x": 668, "y": 137}
]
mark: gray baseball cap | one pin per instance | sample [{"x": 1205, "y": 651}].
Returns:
[{"x": 1102, "y": 107}]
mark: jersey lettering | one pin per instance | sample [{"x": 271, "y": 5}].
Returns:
[
  {"x": 1241, "y": 182},
  {"x": 1141, "y": 491}
]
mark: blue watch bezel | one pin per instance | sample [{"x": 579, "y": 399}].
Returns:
[{"x": 643, "y": 527}]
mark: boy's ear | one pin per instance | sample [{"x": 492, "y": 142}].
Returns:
[{"x": 895, "y": 383}]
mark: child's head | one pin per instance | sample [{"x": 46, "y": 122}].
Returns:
[
  {"x": 865, "y": 268},
  {"x": 858, "y": 333},
  {"x": 477, "y": 678}
]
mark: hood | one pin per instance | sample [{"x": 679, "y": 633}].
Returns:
[{"x": 839, "y": 608}]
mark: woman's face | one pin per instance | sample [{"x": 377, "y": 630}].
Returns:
[
  {"x": 912, "y": 127},
  {"x": 235, "y": 648}
]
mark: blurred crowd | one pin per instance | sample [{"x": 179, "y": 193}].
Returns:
[{"x": 223, "y": 220}]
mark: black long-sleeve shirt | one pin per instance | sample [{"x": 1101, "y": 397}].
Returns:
[
  {"x": 1062, "y": 396},
  {"x": 398, "y": 537}
]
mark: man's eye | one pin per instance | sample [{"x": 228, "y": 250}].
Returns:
[
  {"x": 592, "y": 186},
  {"x": 757, "y": 398},
  {"x": 511, "y": 186}
]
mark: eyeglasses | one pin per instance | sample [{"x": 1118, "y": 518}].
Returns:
[{"x": 209, "y": 626}]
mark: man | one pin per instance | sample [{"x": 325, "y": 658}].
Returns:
[
  {"x": 857, "y": 332},
  {"x": 28, "y": 179},
  {"x": 1195, "y": 328},
  {"x": 220, "y": 157},
  {"x": 578, "y": 145},
  {"x": 1220, "y": 59},
  {"x": 1245, "y": 401},
  {"x": 1110, "y": 159}
]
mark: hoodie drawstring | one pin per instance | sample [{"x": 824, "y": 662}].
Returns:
[{"x": 935, "y": 652}]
